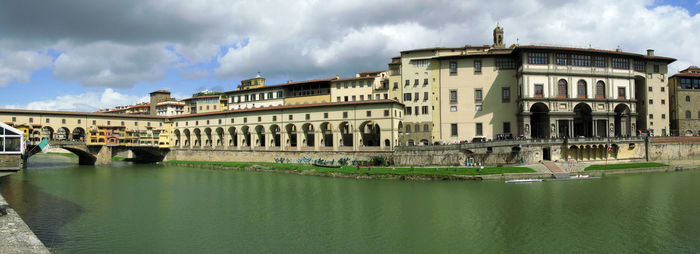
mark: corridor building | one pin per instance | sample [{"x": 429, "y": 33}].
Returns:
[{"x": 684, "y": 89}]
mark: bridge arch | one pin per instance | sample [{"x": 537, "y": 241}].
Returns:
[
  {"x": 47, "y": 132},
  {"x": 78, "y": 134},
  {"x": 62, "y": 134}
]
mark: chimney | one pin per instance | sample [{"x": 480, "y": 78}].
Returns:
[{"x": 650, "y": 52}]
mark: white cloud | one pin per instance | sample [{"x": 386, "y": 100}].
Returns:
[
  {"x": 127, "y": 42},
  {"x": 84, "y": 102},
  {"x": 19, "y": 65}
]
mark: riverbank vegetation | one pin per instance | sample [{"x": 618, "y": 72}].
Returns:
[
  {"x": 626, "y": 166},
  {"x": 360, "y": 170}
]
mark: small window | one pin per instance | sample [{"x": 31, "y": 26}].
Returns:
[
  {"x": 687, "y": 114},
  {"x": 47, "y": 120},
  {"x": 259, "y": 119},
  {"x": 651, "y": 116},
  {"x": 274, "y": 118},
  {"x": 478, "y": 95},
  {"x": 506, "y": 127},
  {"x": 651, "y": 101},
  {"x": 31, "y": 120},
  {"x": 416, "y": 96},
  {"x": 453, "y": 68},
  {"x": 453, "y": 129},
  {"x": 345, "y": 114},
  {"x": 245, "y": 120},
  {"x": 505, "y": 94},
  {"x": 687, "y": 98},
  {"x": 663, "y": 116},
  {"x": 479, "y": 107},
  {"x": 663, "y": 89},
  {"x": 122, "y": 123},
  {"x": 415, "y": 82},
  {"x": 291, "y": 117},
  {"x": 621, "y": 93},
  {"x": 539, "y": 90},
  {"x": 477, "y": 66},
  {"x": 94, "y": 122},
  {"x": 386, "y": 112},
  {"x": 479, "y": 129},
  {"x": 109, "y": 122},
  {"x": 663, "y": 101},
  {"x": 453, "y": 96},
  {"x": 325, "y": 115},
  {"x": 649, "y": 88},
  {"x": 537, "y": 58},
  {"x": 369, "y": 113},
  {"x": 453, "y": 108},
  {"x": 656, "y": 68},
  {"x": 425, "y": 82}
]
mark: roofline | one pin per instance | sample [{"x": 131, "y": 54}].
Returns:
[
  {"x": 692, "y": 75},
  {"x": 297, "y": 106},
  {"x": 282, "y": 85},
  {"x": 40, "y": 112},
  {"x": 203, "y": 96},
  {"x": 592, "y": 50}
]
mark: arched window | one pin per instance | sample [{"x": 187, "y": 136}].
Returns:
[
  {"x": 408, "y": 128},
  {"x": 563, "y": 88},
  {"x": 687, "y": 98},
  {"x": 582, "y": 93},
  {"x": 600, "y": 89},
  {"x": 687, "y": 114}
]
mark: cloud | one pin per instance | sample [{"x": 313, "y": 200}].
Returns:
[
  {"x": 84, "y": 102},
  {"x": 118, "y": 44},
  {"x": 106, "y": 64},
  {"x": 17, "y": 66}
]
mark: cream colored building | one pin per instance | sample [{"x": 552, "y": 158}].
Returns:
[
  {"x": 684, "y": 90},
  {"x": 170, "y": 108},
  {"x": 364, "y": 86},
  {"x": 203, "y": 104}
]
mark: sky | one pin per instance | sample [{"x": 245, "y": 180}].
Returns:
[{"x": 85, "y": 55}]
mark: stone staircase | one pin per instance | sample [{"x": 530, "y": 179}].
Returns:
[{"x": 556, "y": 171}]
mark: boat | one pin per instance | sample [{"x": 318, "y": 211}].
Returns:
[
  {"x": 326, "y": 166},
  {"x": 529, "y": 180}
]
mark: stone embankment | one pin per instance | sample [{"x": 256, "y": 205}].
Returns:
[{"x": 15, "y": 235}]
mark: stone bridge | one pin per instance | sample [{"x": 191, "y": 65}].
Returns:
[{"x": 102, "y": 154}]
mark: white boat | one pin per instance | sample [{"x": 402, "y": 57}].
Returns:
[{"x": 530, "y": 180}]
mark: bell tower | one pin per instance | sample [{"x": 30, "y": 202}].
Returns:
[{"x": 498, "y": 37}]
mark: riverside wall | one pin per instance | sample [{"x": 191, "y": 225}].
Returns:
[
  {"x": 268, "y": 156},
  {"x": 15, "y": 235},
  {"x": 489, "y": 153}
]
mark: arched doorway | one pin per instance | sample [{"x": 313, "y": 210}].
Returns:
[
  {"x": 583, "y": 120},
  {"x": 62, "y": 134},
  {"x": 207, "y": 141},
  {"x": 197, "y": 138},
  {"x": 327, "y": 134},
  {"x": 219, "y": 136},
  {"x": 309, "y": 134},
  {"x": 260, "y": 132},
  {"x": 188, "y": 137},
  {"x": 346, "y": 135},
  {"x": 245, "y": 131},
  {"x": 539, "y": 120},
  {"x": 176, "y": 133},
  {"x": 47, "y": 132},
  {"x": 233, "y": 138},
  {"x": 276, "y": 136},
  {"x": 622, "y": 121},
  {"x": 78, "y": 134},
  {"x": 292, "y": 135},
  {"x": 371, "y": 135}
]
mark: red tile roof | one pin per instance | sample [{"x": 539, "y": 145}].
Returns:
[
  {"x": 355, "y": 78},
  {"x": 590, "y": 50},
  {"x": 284, "y": 84},
  {"x": 688, "y": 75},
  {"x": 160, "y": 91},
  {"x": 203, "y": 96}
]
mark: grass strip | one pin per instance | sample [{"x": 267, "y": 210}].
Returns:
[{"x": 626, "y": 166}]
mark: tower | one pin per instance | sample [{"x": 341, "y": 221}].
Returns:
[{"x": 498, "y": 37}]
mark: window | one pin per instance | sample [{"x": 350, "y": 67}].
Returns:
[
  {"x": 308, "y": 117},
  {"x": 663, "y": 101},
  {"x": 506, "y": 127},
  {"x": 580, "y": 60},
  {"x": 425, "y": 96},
  {"x": 63, "y": 121},
  {"x": 122, "y": 123},
  {"x": 562, "y": 59},
  {"x": 345, "y": 114},
  {"x": 505, "y": 94},
  {"x": 582, "y": 89},
  {"x": 479, "y": 107},
  {"x": 419, "y": 63},
  {"x": 663, "y": 116},
  {"x": 639, "y": 66},
  {"x": 537, "y": 58},
  {"x": 599, "y": 61},
  {"x": 47, "y": 120},
  {"x": 416, "y": 110},
  {"x": 31, "y": 120},
  {"x": 79, "y": 121},
  {"x": 425, "y": 81},
  {"x": 109, "y": 122},
  {"x": 386, "y": 113},
  {"x": 337, "y": 85},
  {"x": 687, "y": 114},
  {"x": 416, "y": 96},
  {"x": 337, "y": 99},
  {"x": 563, "y": 88},
  {"x": 539, "y": 90},
  {"x": 698, "y": 114},
  {"x": 663, "y": 89},
  {"x": 353, "y": 84},
  {"x": 687, "y": 98},
  {"x": 453, "y": 108},
  {"x": 408, "y": 82},
  {"x": 424, "y": 110},
  {"x": 621, "y": 93},
  {"x": 649, "y": 88},
  {"x": 453, "y": 68},
  {"x": 479, "y": 129},
  {"x": 600, "y": 90},
  {"x": 417, "y": 128},
  {"x": 369, "y": 113},
  {"x": 651, "y": 116},
  {"x": 478, "y": 96},
  {"x": 505, "y": 63},
  {"x": 453, "y": 129},
  {"x": 696, "y": 83},
  {"x": 407, "y": 96},
  {"x": 94, "y": 122},
  {"x": 245, "y": 120},
  {"x": 426, "y": 128},
  {"x": 408, "y": 111},
  {"x": 362, "y": 98},
  {"x": 408, "y": 128},
  {"x": 291, "y": 117},
  {"x": 135, "y": 123},
  {"x": 346, "y": 98},
  {"x": 656, "y": 68},
  {"x": 651, "y": 101},
  {"x": 231, "y": 120},
  {"x": 621, "y": 63},
  {"x": 396, "y": 85},
  {"x": 354, "y": 98},
  {"x": 415, "y": 82},
  {"x": 477, "y": 66},
  {"x": 453, "y": 96}
]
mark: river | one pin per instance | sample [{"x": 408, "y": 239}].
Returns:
[{"x": 129, "y": 208}]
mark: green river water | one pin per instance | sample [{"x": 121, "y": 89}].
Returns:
[{"x": 129, "y": 208}]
